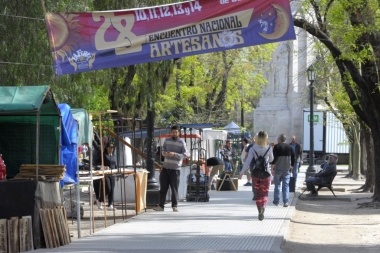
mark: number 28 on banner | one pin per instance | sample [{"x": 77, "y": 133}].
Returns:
[{"x": 167, "y": 11}]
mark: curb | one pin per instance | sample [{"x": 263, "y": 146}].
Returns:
[{"x": 276, "y": 246}]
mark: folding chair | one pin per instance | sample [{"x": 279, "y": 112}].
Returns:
[{"x": 230, "y": 176}]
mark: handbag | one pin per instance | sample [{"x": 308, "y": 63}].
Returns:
[{"x": 292, "y": 184}]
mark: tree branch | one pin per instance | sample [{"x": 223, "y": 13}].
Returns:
[{"x": 342, "y": 65}]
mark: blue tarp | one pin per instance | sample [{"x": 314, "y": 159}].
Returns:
[{"x": 69, "y": 140}]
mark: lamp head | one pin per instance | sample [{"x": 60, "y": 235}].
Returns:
[{"x": 311, "y": 73}]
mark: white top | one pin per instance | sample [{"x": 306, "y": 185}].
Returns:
[
  {"x": 260, "y": 151},
  {"x": 243, "y": 153}
]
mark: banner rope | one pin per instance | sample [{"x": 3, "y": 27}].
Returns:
[{"x": 14, "y": 16}]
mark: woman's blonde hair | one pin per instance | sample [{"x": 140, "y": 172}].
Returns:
[{"x": 262, "y": 139}]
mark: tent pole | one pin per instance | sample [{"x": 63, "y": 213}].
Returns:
[
  {"x": 134, "y": 160},
  {"x": 102, "y": 160},
  {"x": 37, "y": 143},
  {"x": 91, "y": 188},
  {"x": 124, "y": 179},
  {"x": 78, "y": 185},
  {"x": 109, "y": 140}
]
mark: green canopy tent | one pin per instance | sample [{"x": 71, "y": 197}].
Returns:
[
  {"x": 30, "y": 125},
  {"x": 85, "y": 126}
]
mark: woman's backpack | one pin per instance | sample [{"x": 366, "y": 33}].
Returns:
[{"x": 261, "y": 164}]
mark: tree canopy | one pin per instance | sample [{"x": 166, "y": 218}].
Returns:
[{"x": 350, "y": 32}]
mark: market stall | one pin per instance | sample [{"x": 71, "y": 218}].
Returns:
[{"x": 30, "y": 135}]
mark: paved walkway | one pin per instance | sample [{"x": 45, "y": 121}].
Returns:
[{"x": 228, "y": 223}]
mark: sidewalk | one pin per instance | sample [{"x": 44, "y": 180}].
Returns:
[
  {"x": 334, "y": 224},
  {"x": 228, "y": 223}
]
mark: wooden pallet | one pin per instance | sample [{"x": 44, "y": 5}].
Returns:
[
  {"x": 3, "y": 236},
  {"x": 13, "y": 236},
  {"x": 26, "y": 234},
  {"x": 55, "y": 227}
]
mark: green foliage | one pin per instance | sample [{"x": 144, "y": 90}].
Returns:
[{"x": 204, "y": 88}]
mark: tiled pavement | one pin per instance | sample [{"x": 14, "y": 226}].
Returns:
[{"x": 227, "y": 223}]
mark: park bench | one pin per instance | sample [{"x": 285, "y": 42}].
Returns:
[{"x": 328, "y": 185}]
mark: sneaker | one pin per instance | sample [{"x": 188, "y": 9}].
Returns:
[
  {"x": 110, "y": 207},
  {"x": 312, "y": 194},
  {"x": 175, "y": 209},
  {"x": 158, "y": 208},
  {"x": 261, "y": 213},
  {"x": 99, "y": 204},
  {"x": 275, "y": 204},
  {"x": 248, "y": 184},
  {"x": 286, "y": 205}
]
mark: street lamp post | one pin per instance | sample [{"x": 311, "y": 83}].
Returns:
[{"x": 311, "y": 75}]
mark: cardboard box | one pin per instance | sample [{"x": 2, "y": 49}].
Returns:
[{"x": 218, "y": 181}]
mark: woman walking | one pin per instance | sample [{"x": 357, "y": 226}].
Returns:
[{"x": 260, "y": 152}]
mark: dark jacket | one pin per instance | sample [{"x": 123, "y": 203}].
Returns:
[
  {"x": 283, "y": 156},
  {"x": 297, "y": 152},
  {"x": 327, "y": 171},
  {"x": 110, "y": 160}
]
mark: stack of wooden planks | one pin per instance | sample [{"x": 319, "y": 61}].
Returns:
[
  {"x": 114, "y": 171},
  {"x": 16, "y": 235},
  {"x": 55, "y": 227},
  {"x": 50, "y": 172}
]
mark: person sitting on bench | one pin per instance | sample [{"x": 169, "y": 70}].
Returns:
[{"x": 323, "y": 176}]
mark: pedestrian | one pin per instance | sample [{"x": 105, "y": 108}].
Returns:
[
  {"x": 243, "y": 156},
  {"x": 110, "y": 163},
  {"x": 251, "y": 165},
  {"x": 261, "y": 183},
  {"x": 217, "y": 165},
  {"x": 281, "y": 166},
  {"x": 323, "y": 176},
  {"x": 298, "y": 156},
  {"x": 174, "y": 150},
  {"x": 228, "y": 153}
]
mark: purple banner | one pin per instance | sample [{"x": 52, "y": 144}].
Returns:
[{"x": 88, "y": 41}]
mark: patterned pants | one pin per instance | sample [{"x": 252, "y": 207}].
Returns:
[{"x": 262, "y": 188}]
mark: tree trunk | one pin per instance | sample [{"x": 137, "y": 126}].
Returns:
[
  {"x": 356, "y": 154},
  {"x": 152, "y": 182},
  {"x": 376, "y": 165},
  {"x": 364, "y": 144},
  {"x": 370, "y": 171}
]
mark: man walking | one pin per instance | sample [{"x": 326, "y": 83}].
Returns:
[
  {"x": 298, "y": 156},
  {"x": 283, "y": 162},
  {"x": 174, "y": 150}
]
